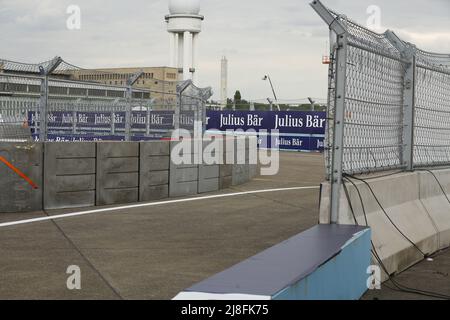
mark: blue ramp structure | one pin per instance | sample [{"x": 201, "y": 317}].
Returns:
[{"x": 326, "y": 262}]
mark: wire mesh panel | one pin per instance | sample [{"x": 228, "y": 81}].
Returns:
[
  {"x": 86, "y": 111},
  {"x": 373, "y": 124},
  {"x": 432, "y": 110},
  {"x": 14, "y": 120},
  {"x": 14, "y": 110},
  {"x": 377, "y": 84},
  {"x": 389, "y": 104},
  {"x": 373, "y": 112}
]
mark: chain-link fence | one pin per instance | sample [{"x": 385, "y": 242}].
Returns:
[
  {"x": 391, "y": 97},
  {"x": 56, "y": 109},
  {"x": 432, "y": 110},
  {"x": 388, "y": 104}
]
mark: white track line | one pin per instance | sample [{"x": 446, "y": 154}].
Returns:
[{"x": 152, "y": 204}]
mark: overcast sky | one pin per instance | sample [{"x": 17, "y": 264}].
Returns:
[{"x": 284, "y": 38}]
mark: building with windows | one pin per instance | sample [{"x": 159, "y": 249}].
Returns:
[{"x": 161, "y": 81}]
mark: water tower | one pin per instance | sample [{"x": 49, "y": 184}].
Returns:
[{"x": 184, "y": 23}]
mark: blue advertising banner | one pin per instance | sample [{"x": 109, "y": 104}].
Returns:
[
  {"x": 295, "y": 130},
  {"x": 90, "y": 137},
  {"x": 283, "y": 121},
  {"x": 103, "y": 121},
  {"x": 286, "y": 130},
  {"x": 79, "y": 137}
]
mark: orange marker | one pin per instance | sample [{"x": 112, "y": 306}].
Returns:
[{"x": 19, "y": 173}]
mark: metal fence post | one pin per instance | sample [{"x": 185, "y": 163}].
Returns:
[
  {"x": 43, "y": 100},
  {"x": 338, "y": 27},
  {"x": 177, "y": 114},
  {"x": 43, "y": 110},
  {"x": 128, "y": 114},
  {"x": 204, "y": 117},
  {"x": 338, "y": 126},
  {"x": 409, "y": 112},
  {"x": 408, "y": 53},
  {"x": 147, "y": 123},
  {"x": 129, "y": 106}
]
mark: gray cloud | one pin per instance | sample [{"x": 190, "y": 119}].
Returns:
[{"x": 284, "y": 38}]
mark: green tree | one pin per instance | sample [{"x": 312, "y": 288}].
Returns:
[{"x": 237, "y": 96}]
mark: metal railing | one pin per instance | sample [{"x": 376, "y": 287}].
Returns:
[
  {"x": 47, "y": 108},
  {"x": 388, "y": 104}
]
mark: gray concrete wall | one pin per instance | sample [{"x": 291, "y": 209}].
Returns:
[
  {"x": 208, "y": 175},
  {"x": 154, "y": 170},
  {"x": 208, "y": 178},
  {"x": 183, "y": 177},
  {"x": 254, "y": 168},
  {"x": 225, "y": 176},
  {"x": 85, "y": 174},
  {"x": 240, "y": 172},
  {"x": 226, "y": 169},
  {"x": 69, "y": 174},
  {"x": 117, "y": 173},
  {"x": 15, "y": 193},
  {"x": 415, "y": 204}
]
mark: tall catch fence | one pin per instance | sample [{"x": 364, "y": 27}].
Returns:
[
  {"x": 388, "y": 104},
  {"x": 50, "y": 106}
]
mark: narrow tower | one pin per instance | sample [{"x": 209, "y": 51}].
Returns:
[
  {"x": 224, "y": 82},
  {"x": 184, "y": 23}
]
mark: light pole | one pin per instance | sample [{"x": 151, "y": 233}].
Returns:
[{"x": 267, "y": 77}]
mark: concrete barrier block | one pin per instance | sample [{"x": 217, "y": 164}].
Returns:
[
  {"x": 254, "y": 171},
  {"x": 435, "y": 202},
  {"x": 183, "y": 177},
  {"x": 16, "y": 194},
  {"x": 225, "y": 182},
  {"x": 120, "y": 196},
  {"x": 74, "y": 183},
  {"x": 120, "y": 165},
  {"x": 157, "y": 163},
  {"x": 78, "y": 166},
  {"x": 69, "y": 174},
  {"x": 209, "y": 171},
  {"x": 181, "y": 189},
  {"x": 154, "y": 170},
  {"x": 241, "y": 174},
  {"x": 186, "y": 174},
  {"x": 117, "y": 172},
  {"x": 156, "y": 193},
  {"x": 72, "y": 199},
  {"x": 118, "y": 149},
  {"x": 208, "y": 180},
  {"x": 411, "y": 204},
  {"x": 226, "y": 170},
  {"x": 155, "y": 148},
  {"x": 157, "y": 178},
  {"x": 120, "y": 180},
  {"x": 72, "y": 150}
]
